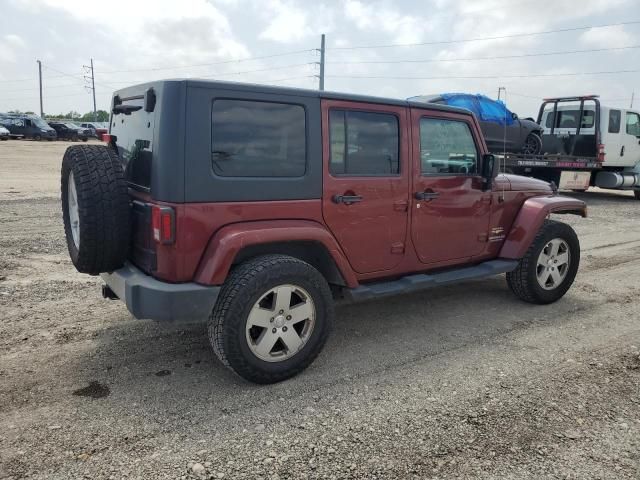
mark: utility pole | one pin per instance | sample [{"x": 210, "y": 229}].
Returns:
[
  {"x": 40, "y": 80},
  {"x": 322, "y": 62},
  {"x": 93, "y": 89}
]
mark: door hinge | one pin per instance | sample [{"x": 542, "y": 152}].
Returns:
[{"x": 397, "y": 248}]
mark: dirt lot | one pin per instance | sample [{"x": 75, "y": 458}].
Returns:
[{"x": 460, "y": 382}]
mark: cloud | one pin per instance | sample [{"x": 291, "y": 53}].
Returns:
[
  {"x": 288, "y": 22},
  {"x": 9, "y": 46},
  {"x": 609, "y": 37},
  {"x": 378, "y": 16}
]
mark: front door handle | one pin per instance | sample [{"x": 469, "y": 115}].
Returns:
[
  {"x": 427, "y": 195},
  {"x": 346, "y": 199}
]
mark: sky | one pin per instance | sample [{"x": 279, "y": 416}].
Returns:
[{"x": 277, "y": 42}]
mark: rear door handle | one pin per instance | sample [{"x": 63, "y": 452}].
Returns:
[
  {"x": 427, "y": 195},
  {"x": 346, "y": 199}
]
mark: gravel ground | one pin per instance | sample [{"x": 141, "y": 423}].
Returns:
[{"x": 459, "y": 382}]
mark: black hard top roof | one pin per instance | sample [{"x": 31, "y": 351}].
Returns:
[{"x": 255, "y": 87}]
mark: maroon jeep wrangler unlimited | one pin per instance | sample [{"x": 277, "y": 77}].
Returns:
[{"x": 257, "y": 207}]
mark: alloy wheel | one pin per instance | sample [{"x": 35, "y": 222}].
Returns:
[
  {"x": 280, "y": 323},
  {"x": 553, "y": 264}
]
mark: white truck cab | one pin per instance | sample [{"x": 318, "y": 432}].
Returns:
[{"x": 579, "y": 129}]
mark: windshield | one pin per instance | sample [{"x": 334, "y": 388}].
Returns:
[
  {"x": 71, "y": 126},
  {"x": 38, "y": 122}
]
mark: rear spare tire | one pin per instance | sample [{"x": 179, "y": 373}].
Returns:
[{"x": 95, "y": 208}]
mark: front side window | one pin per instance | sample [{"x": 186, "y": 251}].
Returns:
[
  {"x": 614, "y": 121},
  {"x": 258, "y": 139},
  {"x": 363, "y": 143},
  {"x": 633, "y": 124},
  {"x": 447, "y": 147}
]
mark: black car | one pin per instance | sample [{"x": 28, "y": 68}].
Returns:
[
  {"x": 21, "y": 125},
  {"x": 69, "y": 131},
  {"x": 501, "y": 128}
]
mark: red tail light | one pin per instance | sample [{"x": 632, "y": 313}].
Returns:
[
  {"x": 601, "y": 152},
  {"x": 163, "y": 224}
]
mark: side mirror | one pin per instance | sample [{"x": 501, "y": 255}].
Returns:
[
  {"x": 514, "y": 116},
  {"x": 489, "y": 170}
]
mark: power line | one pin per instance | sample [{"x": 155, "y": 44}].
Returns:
[
  {"x": 439, "y": 60},
  {"x": 176, "y": 67},
  {"x": 475, "y": 77},
  {"x": 478, "y": 39}
]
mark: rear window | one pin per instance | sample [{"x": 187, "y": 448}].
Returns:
[
  {"x": 363, "y": 143},
  {"x": 570, "y": 118},
  {"x": 134, "y": 136},
  {"x": 258, "y": 139}
]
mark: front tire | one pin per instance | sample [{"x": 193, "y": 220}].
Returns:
[
  {"x": 548, "y": 269},
  {"x": 532, "y": 144},
  {"x": 272, "y": 318}
]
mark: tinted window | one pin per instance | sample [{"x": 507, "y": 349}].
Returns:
[
  {"x": 363, "y": 143},
  {"x": 633, "y": 124},
  {"x": 614, "y": 121},
  {"x": 569, "y": 119},
  {"x": 446, "y": 147},
  {"x": 258, "y": 139}
]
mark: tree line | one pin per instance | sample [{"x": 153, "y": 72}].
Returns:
[{"x": 101, "y": 116}]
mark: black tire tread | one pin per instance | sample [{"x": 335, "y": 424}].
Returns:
[
  {"x": 242, "y": 282},
  {"x": 103, "y": 203},
  {"x": 520, "y": 281}
]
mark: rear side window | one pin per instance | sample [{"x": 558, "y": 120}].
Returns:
[
  {"x": 258, "y": 139},
  {"x": 633, "y": 124},
  {"x": 363, "y": 143},
  {"x": 447, "y": 147},
  {"x": 614, "y": 121}
]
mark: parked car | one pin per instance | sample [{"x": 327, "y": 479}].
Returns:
[
  {"x": 69, "y": 131},
  {"x": 4, "y": 133},
  {"x": 22, "y": 125},
  {"x": 500, "y": 127},
  {"x": 262, "y": 205},
  {"x": 97, "y": 129}
]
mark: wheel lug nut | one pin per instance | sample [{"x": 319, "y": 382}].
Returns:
[
  {"x": 284, "y": 329},
  {"x": 281, "y": 311},
  {"x": 288, "y": 317},
  {"x": 274, "y": 330},
  {"x": 271, "y": 320}
]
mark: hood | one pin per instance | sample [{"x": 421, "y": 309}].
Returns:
[
  {"x": 527, "y": 184},
  {"x": 530, "y": 125}
]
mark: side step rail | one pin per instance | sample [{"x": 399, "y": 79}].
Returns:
[{"x": 421, "y": 281}]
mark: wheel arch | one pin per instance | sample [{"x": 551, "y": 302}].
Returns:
[
  {"x": 530, "y": 219},
  {"x": 305, "y": 240}
]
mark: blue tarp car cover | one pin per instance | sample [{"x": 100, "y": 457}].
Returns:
[{"x": 483, "y": 107}]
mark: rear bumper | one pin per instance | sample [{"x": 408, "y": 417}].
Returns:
[{"x": 148, "y": 298}]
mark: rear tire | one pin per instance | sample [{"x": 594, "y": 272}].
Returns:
[
  {"x": 95, "y": 208},
  {"x": 532, "y": 144},
  {"x": 541, "y": 276},
  {"x": 37, "y": 137},
  {"x": 636, "y": 193},
  {"x": 250, "y": 298}
]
